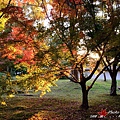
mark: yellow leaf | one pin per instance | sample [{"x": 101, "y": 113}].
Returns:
[
  {"x": 3, "y": 103},
  {"x": 2, "y": 23},
  {"x": 11, "y": 95}
]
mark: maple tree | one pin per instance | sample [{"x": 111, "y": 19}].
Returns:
[
  {"x": 21, "y": 47},
  {"x": 78, "y": 28},
  {"x": 67, "y": 28},
  {"x": 113, "y": 51},
  {"x": 111, "y": 57}
]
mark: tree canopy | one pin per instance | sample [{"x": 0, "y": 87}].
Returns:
[{"x": 76, "y": 28}]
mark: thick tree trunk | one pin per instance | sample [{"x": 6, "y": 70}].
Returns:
[
  {"x": 114, "y": 82},
  {"x": 84, "y": 104},
  {"x": 113, "y": 87}
]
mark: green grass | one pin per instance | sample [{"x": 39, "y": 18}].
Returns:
[{"x": 62, "y": 103}]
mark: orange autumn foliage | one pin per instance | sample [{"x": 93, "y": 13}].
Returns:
[
  {"x": 21, "y": 3},
  {"x": 66, "y": 8},
  {"x": 18, "y": 44}
]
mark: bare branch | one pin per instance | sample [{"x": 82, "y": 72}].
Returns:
[{"x": 98, "y": 76}]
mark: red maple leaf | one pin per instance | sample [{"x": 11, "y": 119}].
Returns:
[{"x": 102, "y": 113}]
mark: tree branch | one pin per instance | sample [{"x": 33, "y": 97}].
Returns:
[
  {"x": 98, "y": 76},
  {"x": 96, "y": 67},
  {"x": 6, "y": 7},
  {"x": 73, "y": 79}
]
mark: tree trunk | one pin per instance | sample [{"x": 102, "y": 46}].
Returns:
[
  {"x": 113, "y": 87},
  {"x": 84, "y": 104},
  {"x": 114, "y": 82},
  {"x": 104, "y": 76}
]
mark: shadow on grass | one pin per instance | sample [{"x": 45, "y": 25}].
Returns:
[{"x": 29, "y": 108}]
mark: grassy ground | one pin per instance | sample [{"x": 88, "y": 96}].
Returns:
[{"x": 63, "y": 104}]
